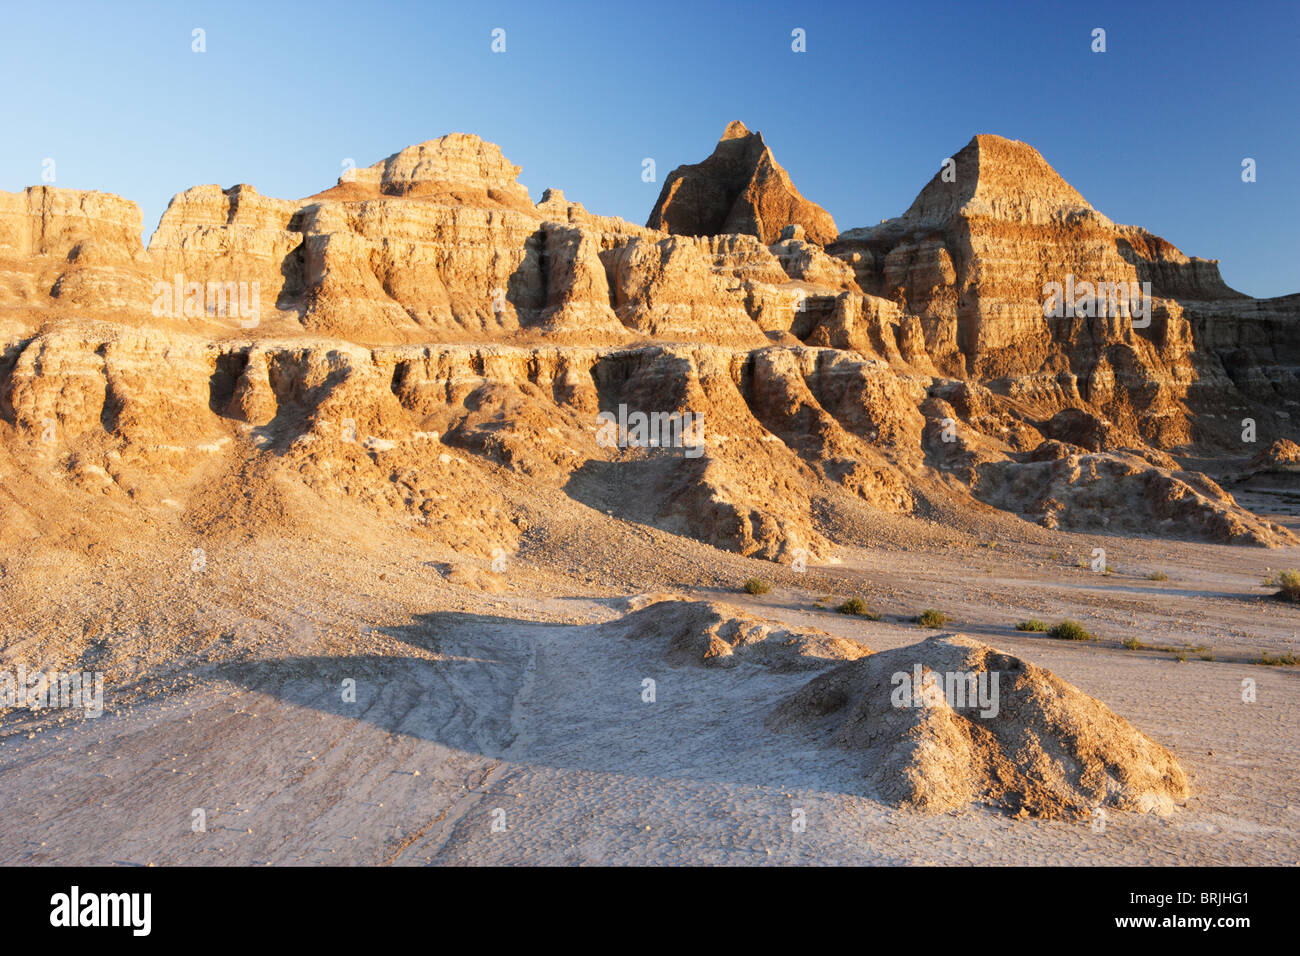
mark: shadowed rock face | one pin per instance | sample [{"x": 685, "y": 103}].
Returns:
[{"x": 739, "y": 189}]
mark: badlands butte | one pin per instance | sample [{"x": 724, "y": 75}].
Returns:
[{"x": 363, "y": 437}]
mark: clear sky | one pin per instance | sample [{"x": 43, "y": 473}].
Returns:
[{"x": 1152, "y": 132}]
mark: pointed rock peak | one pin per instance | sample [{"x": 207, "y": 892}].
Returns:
[
  {"x": 740, "y": 188},
  {"x": 735, "y": 130},
  {"x": 997, "y": 177},
  {"x": 1008, "y": 166}
]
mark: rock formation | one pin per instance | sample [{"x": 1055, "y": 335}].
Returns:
[
  {"x": 970, "y": 260},
  {"x": 740, "y": 188},
  {"x": 423, "y": 325},
  {"x": 1281, "y": 457}
]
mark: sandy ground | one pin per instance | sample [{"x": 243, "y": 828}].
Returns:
[{"x": 510, "y": 728}]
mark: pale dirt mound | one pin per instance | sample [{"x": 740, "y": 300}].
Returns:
[
  {"x": 1046, "y": 750},
  {"x": 713, "y": 634}
]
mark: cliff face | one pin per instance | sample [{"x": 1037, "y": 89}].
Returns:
[
  {"x": 424, "y": 340},
  {"x": 80, "y": 248},
  {"x": 210, "y": 234}
]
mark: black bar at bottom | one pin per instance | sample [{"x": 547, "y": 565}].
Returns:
[{"x": 639, "y": 906}]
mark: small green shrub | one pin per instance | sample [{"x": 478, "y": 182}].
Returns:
[
  {"x": 857, "y": 606},
  {"x": 757, "y": 586},
  {"x": 1069, "y": 630},
  {"x": 1288, "y": 583},
  {"x": 1133, "y": 644},
  {"x": 932, "y": 618},
  {"x": 1157, "y": 576},
  {"x": 1033, "y": 624}
]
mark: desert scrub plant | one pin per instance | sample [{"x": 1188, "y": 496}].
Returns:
[
  {"x": 858, "y": 607},
  {"x": 1288, "y": 583},
  {"x": 1157, "y": 576},
  {"x": 1033, "y": 624},
  {"x": 1282, "y": 660},
  {"x": 757, "y": 586},
  {"x": 1133, "y": 644},
  {"x": 1068, "y": 630},
  {"x": 932, "y": 618}
]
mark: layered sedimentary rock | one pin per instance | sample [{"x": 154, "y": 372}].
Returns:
[
  {"x": 209, "y": 234},
  {"x": 135, "y": 405},
  {"x": 423, "y": 325},
  {"x": 973, "y": 257},
  {"x": 80, "y": 248},
  {"x": 457, "y": 169},
  {"x": 740, "y": 188},
  {"x": 973, "y": 252},
  {"x": 440, "y": 240}
]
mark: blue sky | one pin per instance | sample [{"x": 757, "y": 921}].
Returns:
[{"x": 1151, "y": 132}]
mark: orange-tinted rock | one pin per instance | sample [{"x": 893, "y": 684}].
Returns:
[
  {"x": 427, "y": 304},
  {"x": 739, "y": 189}
]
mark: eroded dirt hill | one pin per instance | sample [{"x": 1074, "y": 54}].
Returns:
[{"x": 952, "y": 721}]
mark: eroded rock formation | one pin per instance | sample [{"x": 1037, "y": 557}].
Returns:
[
  {"x": 740, "y": 188},
  {"x": 419, "y": 335}
]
